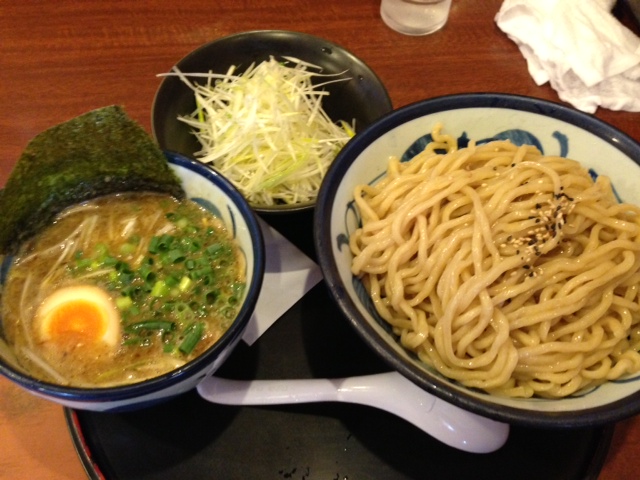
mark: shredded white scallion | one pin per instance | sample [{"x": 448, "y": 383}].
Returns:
[{"x": 265, "y": 129}]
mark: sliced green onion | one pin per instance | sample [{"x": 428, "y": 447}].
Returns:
[
  {"x": 182, "y": 223},
  {"x": 229, "y": 313},
  {"x": 126, "y": 278},
  {"x": 205, "y": 273},
  {"x": 128, "y": 249},
  {"x": 191, "y": 245},
  {"x": 212, "y": 296},
  {"x": 150, "y": 325},
  {"x": 193, "y": 335},
  {"x": 147, "y": 274},
  {"x": 185, "y": 284},
  {"x": 238, "y": 288},
  {"x": 107, "y": 261},
  {"x": 160, "y": 244},
  {"x": 160, "y": 289},
  {"x": 215, "y": 250},
  {"x": 101, "y": 250},
  {"x": 83, "y": 263},
  {"x": 184, "y": 311},
  {"x": 175, "y": 255},
  {"x": 265, "y": 129},
  {"x": 124, "y": 303}
]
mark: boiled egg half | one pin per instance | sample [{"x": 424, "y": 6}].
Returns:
[{"x": 79, "y": 315}]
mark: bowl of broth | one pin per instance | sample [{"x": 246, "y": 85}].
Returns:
[
  {"x": 129, "y": 299},
  {"x": 487, "y": 246}
]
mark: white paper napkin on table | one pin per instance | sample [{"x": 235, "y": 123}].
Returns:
[
  {"x": 289, "y": 274},
  {"x": 580, "y": 48}
]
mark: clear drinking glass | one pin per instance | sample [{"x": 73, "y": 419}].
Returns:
[{"x": 415, "y": 17}]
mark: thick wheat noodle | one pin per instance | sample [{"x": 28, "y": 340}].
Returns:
[{"x": 502, "y": 268}]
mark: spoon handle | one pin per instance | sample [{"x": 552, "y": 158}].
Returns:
[
  {"x": 387, "y": 391},
  {"x": 268, "y": 392}
]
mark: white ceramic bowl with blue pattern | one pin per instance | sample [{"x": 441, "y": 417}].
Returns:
[
  {"x": 215, "y": 193},
  {"x": 556, "y": 130}
]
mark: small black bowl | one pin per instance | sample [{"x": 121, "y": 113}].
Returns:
[{"x": 362, "y": 98}]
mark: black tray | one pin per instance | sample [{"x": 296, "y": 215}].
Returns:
[{"x": 190, "y": 438}]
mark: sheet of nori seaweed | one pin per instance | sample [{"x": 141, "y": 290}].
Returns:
[{"x": 101, "y": 152}]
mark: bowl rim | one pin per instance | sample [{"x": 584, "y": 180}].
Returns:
[
  {"x": 290, "y": 35},
  {"x": 152, "y": 385},
  {"x": 600, "y": 415}
]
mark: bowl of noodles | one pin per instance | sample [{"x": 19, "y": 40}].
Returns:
[
  {"x": 487, "y": 246},
  {"x": 269, "y": 109},
  {"x": 136, "y": 284}
]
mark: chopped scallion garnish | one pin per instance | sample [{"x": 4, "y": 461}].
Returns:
[
  {"x": 193, "y": 335},
  {"x": 265, "y": 129}
]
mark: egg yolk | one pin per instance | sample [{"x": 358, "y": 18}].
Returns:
[{"x": 82, "y": 315}]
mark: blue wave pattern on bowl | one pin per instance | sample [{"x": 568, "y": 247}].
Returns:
[
  {"x": 517, "y": 137},
  {"x": 215, "y": 211}
]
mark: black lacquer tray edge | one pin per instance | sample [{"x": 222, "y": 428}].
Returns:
[{"x": 95, "y": 471}]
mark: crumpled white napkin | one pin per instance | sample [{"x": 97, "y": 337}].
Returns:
[{"x": 579, "y": 47}]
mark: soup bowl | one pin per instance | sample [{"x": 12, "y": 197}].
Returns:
[
  {"x": 555, "y": 130},
  {"x": 218, "y": 196},
  {"x": 360, "y": 96}
]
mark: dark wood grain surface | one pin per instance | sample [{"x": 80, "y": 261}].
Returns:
[{"x": 61, "y": 58}]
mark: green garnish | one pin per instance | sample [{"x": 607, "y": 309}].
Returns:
[
  {"x": 173, "y": 286},
  {"x": 193, "y": 335}
]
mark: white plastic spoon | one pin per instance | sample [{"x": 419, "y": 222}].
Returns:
[{"x": 387, "y": 391}]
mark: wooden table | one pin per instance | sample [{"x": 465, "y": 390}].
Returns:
[{"x": 61, "y": 58}]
